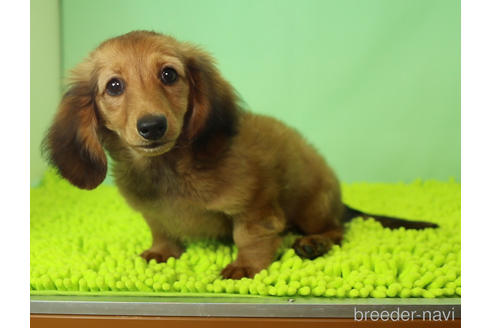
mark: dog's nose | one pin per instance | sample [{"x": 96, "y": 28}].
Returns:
[{"x": 152, "y": 127}]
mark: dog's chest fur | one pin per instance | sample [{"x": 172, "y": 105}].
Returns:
[{"x": 167, "y": 193}]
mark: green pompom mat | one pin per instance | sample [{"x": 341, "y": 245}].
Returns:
[{"x": 88, "y": 243}]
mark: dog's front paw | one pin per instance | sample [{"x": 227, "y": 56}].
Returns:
[
  {"x": 159, "y": 255},
  {"x": 236, "y": 271}
]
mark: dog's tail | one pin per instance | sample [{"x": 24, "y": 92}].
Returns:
[{"x": 386, "y": 221}]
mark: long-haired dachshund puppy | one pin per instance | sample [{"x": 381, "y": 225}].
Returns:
[{"x": 190, "y": 159}]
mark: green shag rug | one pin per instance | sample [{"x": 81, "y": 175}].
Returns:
[{"x": 88, "y": 243}]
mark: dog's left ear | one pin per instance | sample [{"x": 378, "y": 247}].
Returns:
[
  {"x": 72, "y": 143},
  {"x": 212, "y": 105}
]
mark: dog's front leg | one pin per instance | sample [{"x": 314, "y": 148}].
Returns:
[
  {"x": 163, "y": 247},
  {"x": 256, "y": 236}
]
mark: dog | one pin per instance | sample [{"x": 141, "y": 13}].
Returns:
[{"x": 190, "y": 159}]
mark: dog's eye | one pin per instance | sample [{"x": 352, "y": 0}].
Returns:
[
  {"x": 115, "y": 87},
  {"x": 168, "y": 75}
]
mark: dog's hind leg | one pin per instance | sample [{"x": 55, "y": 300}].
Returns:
[
  {"x": 312, "y": 246},
  {"x": 320, "y": 221}
]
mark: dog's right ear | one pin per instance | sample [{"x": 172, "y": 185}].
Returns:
[{"x": 72, "y": 143}]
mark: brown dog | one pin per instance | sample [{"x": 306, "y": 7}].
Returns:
[{"x": 190, "y": 159}]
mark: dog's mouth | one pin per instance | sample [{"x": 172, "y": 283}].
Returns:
[
  {"x": 152, "y": 145},
  {"x": 155, "y": 148}
]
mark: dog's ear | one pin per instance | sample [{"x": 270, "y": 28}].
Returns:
[
  {"x": 72, "y": 143},
  {"x": 212, "y": 102}
]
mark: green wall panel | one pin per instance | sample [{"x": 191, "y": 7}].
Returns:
[
  {"x": 373, "y": 85},
  {"x": 45, "y": 76}
]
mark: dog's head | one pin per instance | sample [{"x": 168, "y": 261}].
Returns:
[{"x": 148, "y": 90}]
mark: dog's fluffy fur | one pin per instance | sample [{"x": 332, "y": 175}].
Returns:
[{"x": 219, "y": 171}]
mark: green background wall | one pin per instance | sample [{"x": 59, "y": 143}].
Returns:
[
  {"x": 374, "y": 84},
  {"x": 45, "y": 76}
]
